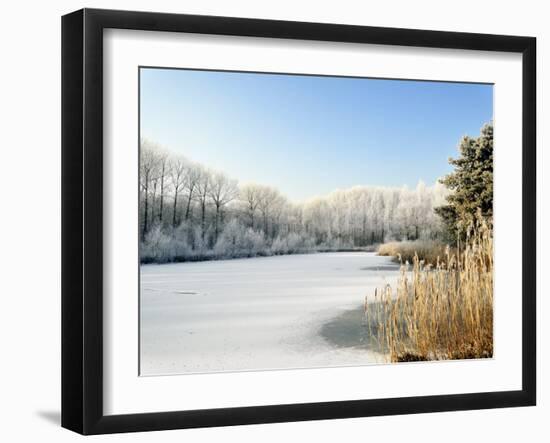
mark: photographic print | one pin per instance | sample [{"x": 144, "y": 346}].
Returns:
[
  {"x": 303, "y": 221},
  {"x": 261, "y": 217}
]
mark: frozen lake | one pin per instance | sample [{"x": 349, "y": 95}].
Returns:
[{"x": 292, "y": 311}]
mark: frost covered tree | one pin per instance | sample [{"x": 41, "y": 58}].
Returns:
[
  {"x": 250, "y": 197},
  {"x": 189, "y": 212},
  {"x": 148, "y": 165},
  {"x": 163, "y": 169},
  {"x": 203, "y": 188},
  {"x": 470, "y": 184},
  {"x": 222, "y": 191},
  {"x": 190, "y": 186},
  {"x": 178, "y": 172},
  {"x": 237, "y": 240},
  {"x": 268, "y": 200}
]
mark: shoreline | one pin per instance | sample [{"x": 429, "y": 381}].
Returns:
[{"x": 367, "y": 249}]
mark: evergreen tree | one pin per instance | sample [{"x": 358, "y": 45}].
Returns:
[{"x": 471, "y": 184}]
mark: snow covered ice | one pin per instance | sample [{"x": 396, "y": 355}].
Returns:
[{"x": 254, "y": 314}]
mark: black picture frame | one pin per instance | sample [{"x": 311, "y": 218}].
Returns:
[{"x": 82, "y": 218}]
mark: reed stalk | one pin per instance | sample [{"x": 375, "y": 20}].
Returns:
[{"x": 440, "y": 311}]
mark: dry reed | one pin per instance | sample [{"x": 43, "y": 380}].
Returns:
[
  {"x": 427, "y": 250},
  {"x": 439, "y": 312}
]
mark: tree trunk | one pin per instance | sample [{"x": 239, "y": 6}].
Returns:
[
  {"x": 188, "y": 208},
  {"x": 161, "y": 196},
  {"x": 174, "y": 215},
  {"x": 146, "y": 212},
  {"x": 265, "y": 225},
  {"x": 203, "y": 216},
  {"x": 251, "y": 218},
  {"x": 364, "y": 233},
  {"x": 216, "y": 231},
  {"x": 153, "y": 202}
]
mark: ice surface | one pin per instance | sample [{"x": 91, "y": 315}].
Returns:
[{"x": 254, "y": 314}]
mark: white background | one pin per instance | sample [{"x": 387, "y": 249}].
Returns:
[{"x": 30, "y": 219}]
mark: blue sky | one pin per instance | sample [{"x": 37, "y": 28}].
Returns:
[{"x": 310, "y": 135}]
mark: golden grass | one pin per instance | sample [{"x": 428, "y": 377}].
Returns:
[
  {"x": 403, "y": 251},
  {"x": 439, "y": 312}
]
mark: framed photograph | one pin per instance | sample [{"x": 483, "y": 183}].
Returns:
[{"x": 268, "y": 221}]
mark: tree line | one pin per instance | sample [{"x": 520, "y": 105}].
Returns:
[{"x": 191, "y": 212}]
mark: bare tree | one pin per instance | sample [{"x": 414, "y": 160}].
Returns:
[
  {"x": 148, "y": 163},
  {"x": 154, "y": 184},
  {"x": 193, "y": 177},
  {"x": 203, "y": 187},
  {"x": 267, "y": 198},
  {"x": 163, "y": 168},
  {"x": 222, "y": 190},
  {"x": 250, "y": 195},
  {"x": 178, "y": 169}
]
